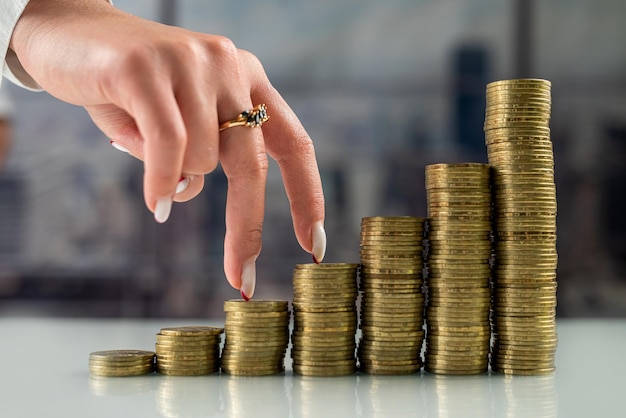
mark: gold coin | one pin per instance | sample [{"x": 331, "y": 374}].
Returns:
[
  {"x": 390, "y": 370},
  {"x": 460, "y": 215},
  {"x": 177, "y": 363},
  {"x": 384, "y": 278},
  {"x": 408, "y": 309},
  {"x": 397, "y": 340},
  {"x": 186, "y": 350},
  {"x": 261, "y": 372},
  {"x": 121, "y": 371},
  {"x": 259, "y": 316},
  {"x": 449, "y": 371},
  {"x": 375, "y": 359},
  {"x": 522, "y": 364},
  {"x": 368, "y": 287},
  {"x": 390, "y": 247},
  {"x": 304, "y": 352},
  {"x": 376, "y": 333},
  {"x": 391, "y": 326},
  {"x": 313, "y": 286},
  {"x": 119, "y": 364},
  {"x": 175, "y": 356},
  {"x": 406, "y": 359},
  {"x": 188, "y": 372},
  {"x": 317, "y": 316},
  {"x": 531, "y": 372},
  {"x": 391, "y": 219},
  {"x": 189, "y": 331},
  {"x": 235, "y": 357},
  {"x": 345, "y": 307},
  {"x": 523, "y": 355},
  {"x": 518, "y": 94},
  {"x": 459, "y": 362},
  {"x": 324, "y": 370},
  {"x": 242, "y": 337},
  {"x": 325, "y": 324},
  {"x": 323, "y": 266},
  {"x": 471, "y": 352},
  {"x": 256, "y": 305},
  {"x": 122, "y": 355},
  {"x": 506, "y": 99},
  {"x": 517, "y": 139},
  {"x": 188, "y": 338}
]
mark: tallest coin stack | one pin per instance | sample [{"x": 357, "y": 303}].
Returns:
[{"x": 519, "y": 148}]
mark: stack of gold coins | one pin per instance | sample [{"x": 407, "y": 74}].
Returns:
[
  {"x": 188, "y": 351},
  {"x": 519, "y": 147},
  {"x": 121, "y": 363},
  {"x": 257, "y": 336},
  {"x": 458, "y": 281},
  {"x": 392, "y": 304},
  {"x": 325, "y": 319}
]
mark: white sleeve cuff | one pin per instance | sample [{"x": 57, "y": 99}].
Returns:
[
  {"x": 10, "y": 12},
  {"x": 14, "y": 72},
  {"x": 12, "y": 69}
]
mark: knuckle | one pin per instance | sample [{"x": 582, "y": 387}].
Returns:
[
  {"x": 248, "y": 168},
  {"x": 300, "y": 147},
  {"x": 223, "y": 50},
  {"x": 259, "y": 165},
  {"x": 251, "y": 62},
  {"x": 255, "y": 235}
]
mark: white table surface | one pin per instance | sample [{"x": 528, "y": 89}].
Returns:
[{"x": 44, "y": 373}]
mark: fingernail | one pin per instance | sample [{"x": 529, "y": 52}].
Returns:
[
  {"x": 319, "y": 242},
  {"x": 163, "y": 209},
  {"x": 248, "y": 280},
  {"x": 119, "y": 147},
  {"x": 182, "y": 184}
]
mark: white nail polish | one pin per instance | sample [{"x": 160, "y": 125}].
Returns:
[
  {"x": 163, "y": 209},
  {"x": 119, "y": 147},
  {"x": 248, "y": 280},
  {"x": 319, "y": 241},
  {"x": 182, "y": 185}
]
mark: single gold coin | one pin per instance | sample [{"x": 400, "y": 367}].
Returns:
[
  {"x": 121, "y": 371},
  {"x": 255, "y": 305},
  {"x": 191, "y": 331},
  {"x": 324, "y": 370}
]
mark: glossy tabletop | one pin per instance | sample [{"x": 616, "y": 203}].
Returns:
[{"x": 44, "y": 374}]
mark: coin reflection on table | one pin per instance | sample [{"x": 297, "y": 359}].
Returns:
[
  {"x": 181, "y": 396},
  {"x": 378, "y": 395},
  {"x": 255, "y": 396}
]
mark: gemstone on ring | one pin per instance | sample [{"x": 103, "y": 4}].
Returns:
[{"x": 251, "y": 118}]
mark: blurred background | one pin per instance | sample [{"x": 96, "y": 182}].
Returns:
[{"x": 384, "y": 88}]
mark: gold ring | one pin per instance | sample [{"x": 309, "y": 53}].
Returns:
[{"x": 250, "y": 118}]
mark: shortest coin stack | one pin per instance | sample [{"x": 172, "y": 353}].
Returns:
[
  {"x": 257, "y": 336},
  {"x": 121, "y": 363},
  {"x": 188, "y": 351},
  {"x": 325, "y": 319}
]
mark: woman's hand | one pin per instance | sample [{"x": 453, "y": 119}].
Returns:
[{"x": 161, "y": 92}]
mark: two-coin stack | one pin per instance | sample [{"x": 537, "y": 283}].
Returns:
[
  {"x": 256, "y": 337},
  {"x": 121, "y": 363},
  {"x": 519, "y": 147},
  {"x": 458, "y": 279},
  {"x": 188, "y": 351},
  {"x": 392, "y": 304},
  {"x": 325, "y": 319}
]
